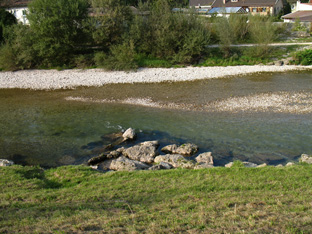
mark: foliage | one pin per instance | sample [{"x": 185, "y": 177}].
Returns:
[
  {"x": 75, "y": 199},
  {"x": 6, "y": 19},
  {"x": 171, "y": 36},
  {"x": 19, "y": 52},
  {"x": 303, "y": 57},
  {"x": 121, "y": 57},
  {"x": 111, "y": 20},
  {"x": 57, "y": 28},
  {"x": 262, "y": 32}
]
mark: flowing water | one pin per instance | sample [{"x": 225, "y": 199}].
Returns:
[{"x": 259, "y": 118}]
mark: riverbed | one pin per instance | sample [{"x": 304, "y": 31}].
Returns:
[{"x": 263, "y": 117}]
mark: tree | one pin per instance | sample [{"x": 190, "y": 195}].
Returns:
[
  {"x": 6, "y": 19},
  {"x": 111, "y": 19},
  {"x": 58, "y": 28}
]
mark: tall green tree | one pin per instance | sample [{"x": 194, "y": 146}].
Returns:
[
  {"x": 110, "y": 20},
  {"x": 58, "y": 28}
]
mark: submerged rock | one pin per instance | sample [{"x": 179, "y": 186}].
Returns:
[
  {"x": 126, "y": 164},
  {"x": 6, "y": 163},
  {"x": 305, "y": 158},
  {"x": 144, "y": 152},
  {"x": 104, "y": 156},
  {"x": 187, "y": 149},
  {"x": 129, "y": 134},
  {"x": 176, "y": 160}
]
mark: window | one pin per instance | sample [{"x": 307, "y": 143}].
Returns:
[
  {"x": 254, "y": 9},
  {"x": 264, "y": 9},
  {"x": 234, "y": 0},
  {"x": 24, "y": 12}
]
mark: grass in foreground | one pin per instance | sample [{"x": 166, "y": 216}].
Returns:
[{"x": 76, "y": 199}]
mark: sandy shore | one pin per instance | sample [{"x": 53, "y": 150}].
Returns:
[{"x": 52, "y": 79}]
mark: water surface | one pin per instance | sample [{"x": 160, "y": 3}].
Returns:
[{"x": 53, "y": 128}]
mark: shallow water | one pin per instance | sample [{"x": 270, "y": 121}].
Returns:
[{"x": 260, "y": 118}]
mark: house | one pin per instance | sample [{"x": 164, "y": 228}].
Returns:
[
  {"x": 227, "y": 11},
  {"x": 260, "y": 7},
  {"x": 302, "y": 12},
  {"x": 201, "y": 4},
  {"x": 18, "y": 8}
]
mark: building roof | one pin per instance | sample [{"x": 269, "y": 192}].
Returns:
[
  {"x": 244, "y": 3},
  {"x": 227, "y": 10},
  {"x": 14, "y": 3},
  {"x": 304, "y": 16},
  {"x": 201, "y": 2}
]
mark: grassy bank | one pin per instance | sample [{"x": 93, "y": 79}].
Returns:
[{"x": 77, "y": 199}]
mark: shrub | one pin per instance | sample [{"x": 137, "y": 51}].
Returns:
[
  {"x": 18, "y": 51},
  {"x": 83, "y": 61},
  {"x": 303, "y": 57},
  {"x": 262, "y": 32},
  {"x": 121, "y": 57}
]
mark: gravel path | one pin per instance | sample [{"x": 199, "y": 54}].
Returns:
[{"x": 52, "y": 79}]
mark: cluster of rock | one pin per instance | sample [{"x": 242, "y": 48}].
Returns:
[{"x": 145, "y": 156}]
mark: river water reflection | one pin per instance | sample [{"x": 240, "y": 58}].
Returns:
[{"x": 260, "y": 118}]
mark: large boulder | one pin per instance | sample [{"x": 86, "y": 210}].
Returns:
[
  {"x": 305, "y": 158},
  {"x": 176, "y": 160},
  {"x": 187, "y": 149},
  {"x": 126, "y": 164},
  {"x": 129, "y": 134},
  {"x": 144, "y": 152},
  {"x": 204, "y": 158},
  {"x": 6, "y": 163}
]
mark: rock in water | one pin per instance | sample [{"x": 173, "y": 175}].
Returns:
[
  {"x": 169, "y": 149},
  {"x": 187, "y": 149},
  {"x": 125, "y": 164},
  {"x": 6, "y": 163},
  {"x": 204, "y": 158},
  {"x": 305, "y": 158},
  {"x": 129, "y": 134},
  {"x": 144, "y": 152}
]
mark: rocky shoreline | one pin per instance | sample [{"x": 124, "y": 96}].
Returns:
[
  {"x": 145, "y": 156},
  {"x": 67, "y": 79}
]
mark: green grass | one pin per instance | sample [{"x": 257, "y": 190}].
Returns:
[{"x": 77, "y": 199}]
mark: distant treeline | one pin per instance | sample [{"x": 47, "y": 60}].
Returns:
[{"x": 63, "y": 33}]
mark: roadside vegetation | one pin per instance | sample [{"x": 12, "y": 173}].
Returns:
[
  {"x": 66, "y": 34},
  {"x": 76, "y": 199}
]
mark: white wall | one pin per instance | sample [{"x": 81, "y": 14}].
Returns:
[{"x": 20, "y": 14}]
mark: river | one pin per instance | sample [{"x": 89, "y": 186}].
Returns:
[{"x": 260, "y": 118}]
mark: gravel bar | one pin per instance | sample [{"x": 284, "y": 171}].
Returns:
[{"x": 66, "y": 79}]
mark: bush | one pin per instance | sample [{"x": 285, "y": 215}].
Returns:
[
  {"x": 177, "y": 37},
  {"x": 83, "y": 61},
  {"x": 18, "y": 51},
  {"x": 303, "y": 57},
  {"x": 121, "y": 57}
]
